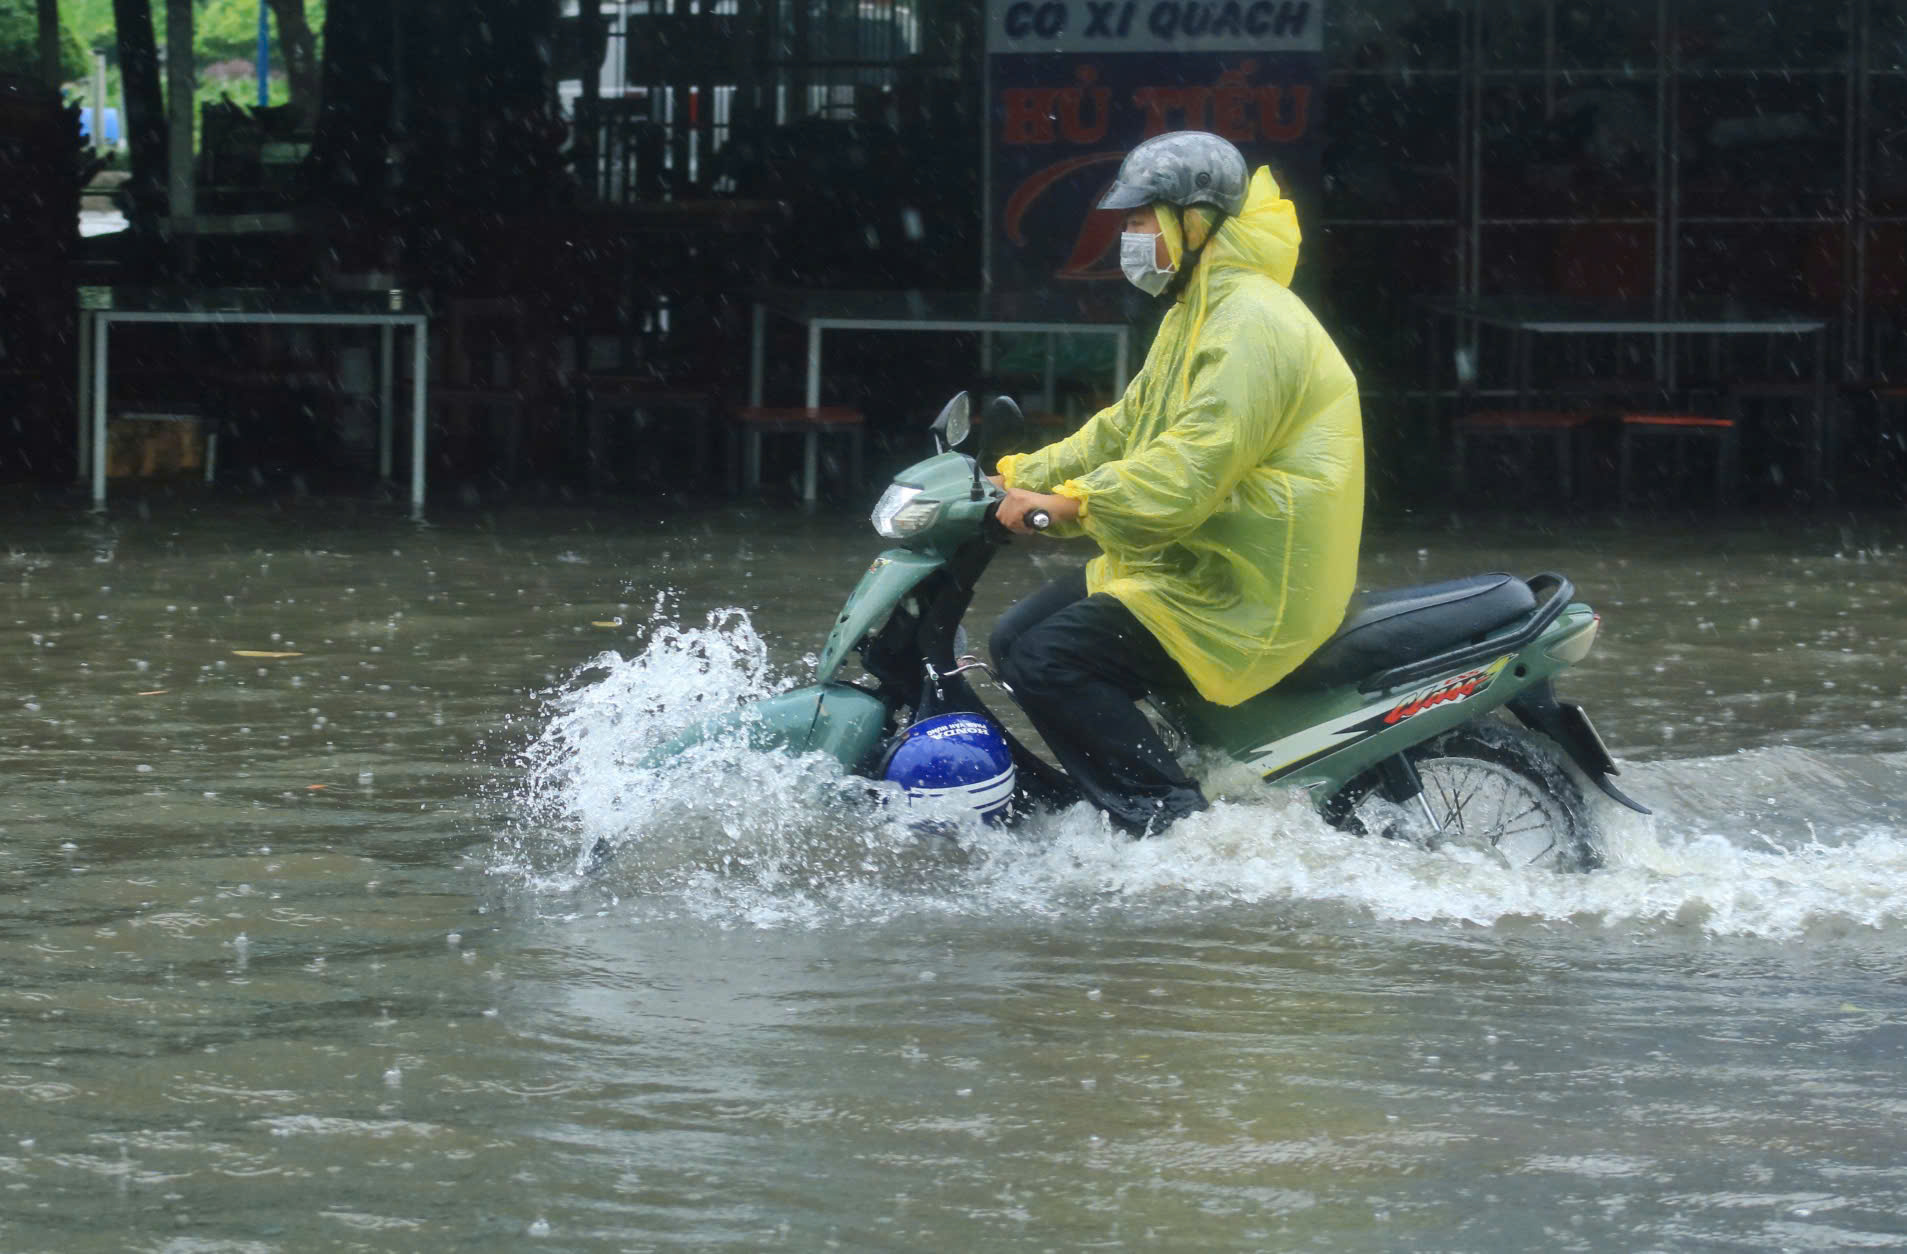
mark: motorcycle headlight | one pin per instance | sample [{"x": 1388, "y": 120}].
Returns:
[{"x": 902, "y": 511}]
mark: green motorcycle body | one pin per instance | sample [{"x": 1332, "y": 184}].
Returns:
[{"x": 901, "y": 617}]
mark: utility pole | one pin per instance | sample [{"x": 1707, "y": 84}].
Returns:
[
  {"x": 264, "y": 54},
  {"x": 99, "y": 99},
  {"x": 181, "y": 104},
  {"x": 145, "y": 123}
]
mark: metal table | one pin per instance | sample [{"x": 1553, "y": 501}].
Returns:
[
  {"x": 823, "y": 311},
  {"x": 100, "y": 307},
  {"x": 1527, "y": 321}
]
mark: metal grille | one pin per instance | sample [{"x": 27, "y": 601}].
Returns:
[
  {"x": 680, "y": 76},
  {"x": 1715, "y": 135}
]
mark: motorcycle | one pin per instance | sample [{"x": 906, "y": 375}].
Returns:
[{"x": 1393, "y": 727}]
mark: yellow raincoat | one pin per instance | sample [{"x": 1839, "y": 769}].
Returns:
[{"x": 1226, "y": 487}]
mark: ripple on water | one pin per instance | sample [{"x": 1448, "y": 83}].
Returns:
[
  {"x": 1591, "y": 1166},
  {"x": 335, "y": 1125}
]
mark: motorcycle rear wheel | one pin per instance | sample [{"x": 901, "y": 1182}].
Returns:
[{"x": 1489, "y": 787}]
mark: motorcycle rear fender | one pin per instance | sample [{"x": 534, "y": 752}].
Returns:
[
  {"x": 894, "y": 574},
  {"x": 1566, "y": 724},
  {"x": 837, "y": 719}
]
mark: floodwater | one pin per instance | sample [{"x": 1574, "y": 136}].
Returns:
[{"x": 296, "y": 957}]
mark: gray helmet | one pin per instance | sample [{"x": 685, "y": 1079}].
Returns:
[{"x": 1182, "y": 168}]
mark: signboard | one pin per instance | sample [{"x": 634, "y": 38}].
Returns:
[{"x": 1072, "y": 85}]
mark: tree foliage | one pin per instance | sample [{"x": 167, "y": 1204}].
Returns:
[
  {"x": 224, "y": 30},
  {"x": 20, "y": 42},
  {"x": 91, "y": 21}
]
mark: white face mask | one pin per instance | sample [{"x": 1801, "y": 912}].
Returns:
[{"x": 1138, "y": 258}]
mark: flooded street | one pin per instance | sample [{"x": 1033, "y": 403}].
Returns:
[{"x": 297, "y": 956}]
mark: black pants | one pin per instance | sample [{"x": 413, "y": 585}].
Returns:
[{"x": 1076, "y": 665}]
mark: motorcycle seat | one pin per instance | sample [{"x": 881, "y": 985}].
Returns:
[{"x": 1401, "y": 625}]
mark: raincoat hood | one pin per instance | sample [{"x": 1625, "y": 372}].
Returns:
[{"x": 1263, "y": 236}]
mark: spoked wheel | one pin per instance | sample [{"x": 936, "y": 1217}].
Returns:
[{"x": 1487, "y": 787}]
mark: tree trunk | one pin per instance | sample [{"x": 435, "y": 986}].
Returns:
[
  {"x": 50, "y": 43},
  {"x": 145, "y": 111},
  {"x": 299, "y": 47},
  {"x": 181, "y": 104},
  {"x": 353, "y": 132},
  {"x": 517, "y": 130}
]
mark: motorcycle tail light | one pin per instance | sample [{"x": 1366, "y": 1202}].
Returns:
[{"x": 1574, "y": 647}]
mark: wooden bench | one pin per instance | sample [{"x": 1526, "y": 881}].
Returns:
[
  {"x": 1525, "y": 427},
  {"x": 753, "y": 422},
  {"x": 1683, "y": 430}
]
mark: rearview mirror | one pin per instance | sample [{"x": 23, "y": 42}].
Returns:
[
  {"x": 1004, "y": 421},
  {"x": 955, "y": 422}
]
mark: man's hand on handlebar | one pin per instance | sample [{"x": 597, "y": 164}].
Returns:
[{"x": 1018, "y": 503}]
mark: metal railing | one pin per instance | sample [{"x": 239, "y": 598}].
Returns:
[{"x": 680, "y": 77}]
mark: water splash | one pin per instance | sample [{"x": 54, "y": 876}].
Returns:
[
  {"x": 1775, "y": 843},
  {"x": 724, "y": 830}
]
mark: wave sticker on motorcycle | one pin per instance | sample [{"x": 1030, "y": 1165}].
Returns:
[
  {"x": 1301, "y": 748},
  {"x": 1446, "y": 692}
]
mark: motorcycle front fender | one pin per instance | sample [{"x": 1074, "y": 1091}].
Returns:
[
  {"x": 894, "y": 574},
  {"x": 837, "y": 719}
]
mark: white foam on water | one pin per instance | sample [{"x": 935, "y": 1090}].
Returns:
[
  {"x": 1776, "y": 843},
  {"x": 725, "y": 831}
]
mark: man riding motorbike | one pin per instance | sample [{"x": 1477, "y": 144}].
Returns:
[{"x": 1225, "y": 488}]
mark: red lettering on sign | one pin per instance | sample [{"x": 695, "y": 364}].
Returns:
[
  {"x": 1029, "y": 115},
  {"x": 1231, "y": 104},
  {"x": 1072, "y": 105},
  {"x": 1281, "y": 114},
  {"x": 1272, "y": 124}
]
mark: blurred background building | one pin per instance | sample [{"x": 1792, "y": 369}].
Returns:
[{"x": 587, "y": 197}]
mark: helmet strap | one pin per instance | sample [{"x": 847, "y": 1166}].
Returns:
[{"x": 1188, "y": 262}]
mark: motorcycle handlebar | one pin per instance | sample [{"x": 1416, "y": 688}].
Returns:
[{"x": 1037, "y": 519}]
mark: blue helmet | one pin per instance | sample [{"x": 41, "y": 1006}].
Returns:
[{"x": 961, "y": 757}]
